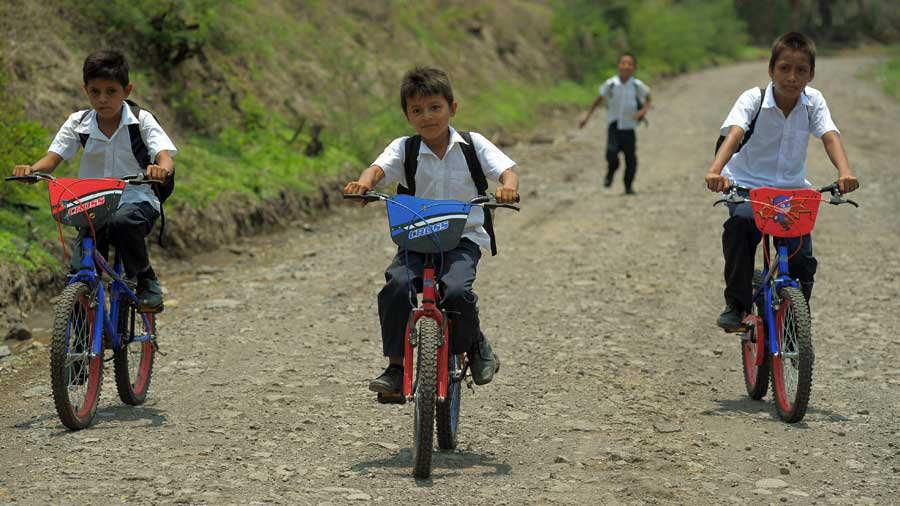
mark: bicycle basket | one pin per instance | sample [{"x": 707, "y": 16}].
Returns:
[
  {"x": 85, "y": 202},
  {"x": 785, "y": 213},
  {"x": 426, "y": 226}
]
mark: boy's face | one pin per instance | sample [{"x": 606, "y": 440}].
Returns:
[
  {"x": 626, "y": 67},
  {"x": 791, "y": 73},
  {"x": 106, "y": 96},
  {"x": 430, "y": 115}
]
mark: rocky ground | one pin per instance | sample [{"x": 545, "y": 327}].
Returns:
[{"x": 616, "y": 385}]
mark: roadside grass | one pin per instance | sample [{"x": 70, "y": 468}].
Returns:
[{"x": 887, "y": 74}]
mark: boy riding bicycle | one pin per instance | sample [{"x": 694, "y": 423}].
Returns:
[
  {"x": 781, "y": 120},
  {"x": 440, "y": 172},
  {"x": 104, "y": 133}
]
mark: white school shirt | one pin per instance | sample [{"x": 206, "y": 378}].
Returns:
[
  {"x": 112, "y": 156},
  {"x": 448, "y": 178},
  {"x": 621, "y": 103},
  {"x": 775, "y": 156}
]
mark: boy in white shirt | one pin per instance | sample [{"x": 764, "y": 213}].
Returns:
[
  {"x": 774, "y": 156},
  {"x": 441, "y": 172},
  {"x": 629, "y": 100},
  {"x": 104, "y": 133}
]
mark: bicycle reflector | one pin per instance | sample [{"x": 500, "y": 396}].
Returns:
[
  {"x": 785, "y": 213},
  {"x": 84, "y": 202},
  {"x": 426, "y": 226}
]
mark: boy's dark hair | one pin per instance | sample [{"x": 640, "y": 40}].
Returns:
[
  {"x": 106, "y": 64},
  {"x": 626, "y": 53},
  {"x": 422, "y": 81},
  {"x": 797, "y": 42}
]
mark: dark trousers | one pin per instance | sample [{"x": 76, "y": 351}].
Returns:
[
  {"x": 126, "y": 230},
  {"x": 624, "y": 141},
  {"x": 398, "y": 296},
  {"x": 739, "y": 240}
]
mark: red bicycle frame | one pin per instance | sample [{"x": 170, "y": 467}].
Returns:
[{"x": 428, "y": 309}]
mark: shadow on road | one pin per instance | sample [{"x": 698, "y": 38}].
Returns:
[
  {"x": 154, "y": 417},
  {"x": 750, "y": 406},
  {"x": 444, "y": 464}
]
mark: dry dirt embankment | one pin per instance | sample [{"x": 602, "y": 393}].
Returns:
[{"x": 616, "y": 386}]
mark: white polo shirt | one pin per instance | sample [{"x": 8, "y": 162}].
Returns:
[
  {"x": 621, "y": 100},
  {"x": 775, "y": 156},
  {"x": 112, "y": 156},
  {"x": 448, "y": 178}
]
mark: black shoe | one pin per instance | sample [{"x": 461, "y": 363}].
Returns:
[
  {"x": 730, "y": 319},
  {"x": 607, "y": 182},
  {"x": 149, "y": 296},
  {"x": 390, "y": 381},
  {"x": 483, "y": 362},
  {"x": 629, "y": 191}
]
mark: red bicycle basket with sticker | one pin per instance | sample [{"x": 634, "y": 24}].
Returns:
[
  {"x": 785, "y": 213},
  {"x": 84, "y": 202}
]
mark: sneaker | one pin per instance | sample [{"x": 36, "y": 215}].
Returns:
[
  {"x": 730, "y": 319},
  {"x": 390, "y": 381},
  {"x": 483, "y": 362},
  {"x": 629, "y": 191},
  {"x": 149, "y": 296},
  {"x": 607, "y": 182}
]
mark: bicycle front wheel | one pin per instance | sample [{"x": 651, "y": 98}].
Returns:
[
  {"x": 426, "y": 389},
  {"x": 448, "y": 411},
  {"x": 75, "y": 375},
  {"x": 792, "y": 368},
  {"x": 756, "y": 375},
  {"x": 133, "y": 361}
]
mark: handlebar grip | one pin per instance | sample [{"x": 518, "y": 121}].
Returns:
[
  {"x": 360, "y": 196},
  {"x": 508, "y": 206},
  {"x": 829, "y": 188}
]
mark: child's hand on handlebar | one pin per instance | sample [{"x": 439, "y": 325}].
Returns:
[
  {"x": 24, "y": 170},
  {"x": 848, "y": 183},
  {"x": 717, "y": 182},
  {"x": 506, "y": 195},
  {"x": 157, "y": 173},
  {"x": 357, "y": 188}
]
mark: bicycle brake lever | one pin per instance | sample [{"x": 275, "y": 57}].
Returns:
[{"x": 852, "y": 203}]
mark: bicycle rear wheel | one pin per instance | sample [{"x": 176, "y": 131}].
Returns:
[
  {"x": 756, "y": 376},
  {"x": 792, "y": 368},
  {"x": 448, "y": 411},
  {"x": 75, "y": 375},
  {"x": 425, "y": 393},
  {"x": 133, "y": 361}
]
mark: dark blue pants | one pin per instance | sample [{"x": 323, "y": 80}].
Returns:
[
  {"x": 125, "y": 230},
  {"x": 739, "y": 240},
  {"x": 456, "y": 278},
  {"x": 620, "y": 141}
]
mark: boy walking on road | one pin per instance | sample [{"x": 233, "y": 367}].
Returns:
[
  {"x": 628, "y": 101},
  {"x": 774, "y": 156}
]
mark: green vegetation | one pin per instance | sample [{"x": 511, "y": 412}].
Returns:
[
  {"x": 23, "y": 208},
  {"x": 888, "y": 74}
]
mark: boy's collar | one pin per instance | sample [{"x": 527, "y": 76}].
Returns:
[
  {"x": 455, "y": 137},
  {"x": 89, "y": 124}
]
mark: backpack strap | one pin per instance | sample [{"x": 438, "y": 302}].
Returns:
[
  {"x": 82, "y": 136},
  {"x": 410, "y": 164},
  {"x": 481, "y": 184},
  {"x": 750, "y": 128}
]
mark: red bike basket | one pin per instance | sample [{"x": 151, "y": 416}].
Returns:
[
  {"x": 785, "y": 213},
  {"x": 84, "y": 202}
]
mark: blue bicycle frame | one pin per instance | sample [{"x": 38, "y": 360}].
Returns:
[
  {"x": 117, "y": 289},
  {"x": 783, "y": 280}
]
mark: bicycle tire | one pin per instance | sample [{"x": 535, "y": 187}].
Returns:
[
  {"x": 72, "y": 369},
  {"x": 133, "y": 361},
  {"x": 793, "y": 332},
  {"x": 756, "y": 377},
  {"x": 448, "y": 411},
  {"x": 425, "y": 394}
]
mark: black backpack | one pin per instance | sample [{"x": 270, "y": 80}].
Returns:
[
  {"x": 142, "y": 155},
  {"x": 750, "y": 129},
  {"x": 411, "y": 163}
]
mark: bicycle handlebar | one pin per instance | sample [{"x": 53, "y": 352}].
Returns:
[
  {"x": 487, "y": 201},
  {"x": 733, "y": 196},
  {"x": 37, "y": 176}
]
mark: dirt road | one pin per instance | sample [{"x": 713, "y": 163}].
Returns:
[{"x": 616, "y": 385}]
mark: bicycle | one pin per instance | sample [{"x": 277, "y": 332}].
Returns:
[
  {"x": 430, "y": 227},
  {"x": 83, "y": 326},
  {"x": 776, "y": 340}
]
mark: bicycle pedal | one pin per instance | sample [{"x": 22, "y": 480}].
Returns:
[{"x": 391, "y": 398}]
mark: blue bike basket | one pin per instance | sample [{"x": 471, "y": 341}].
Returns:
[{"x": 426, "y": 226}]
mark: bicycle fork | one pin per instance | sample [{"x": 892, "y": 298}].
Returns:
[{"x": 428, "y": 309}]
